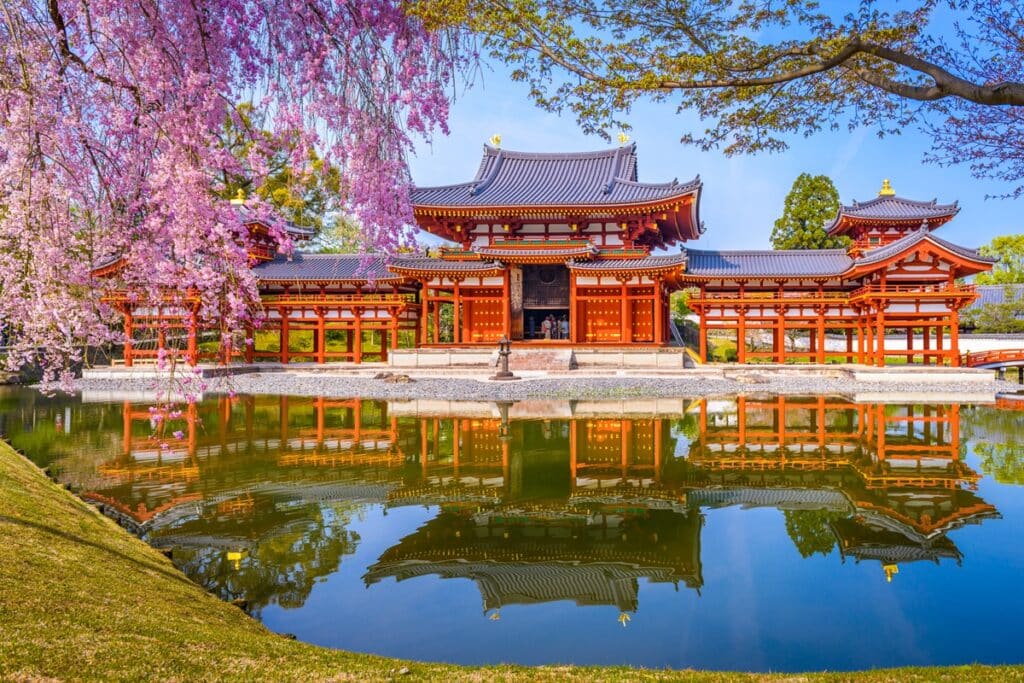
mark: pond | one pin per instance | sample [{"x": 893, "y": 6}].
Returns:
[{"x": 758, "y": 533}]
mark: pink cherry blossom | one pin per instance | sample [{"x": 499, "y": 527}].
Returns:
[{"x": 110, "y": 113}]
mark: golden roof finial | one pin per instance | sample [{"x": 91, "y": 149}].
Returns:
[
  {"x": 623, "y": 138},
  {"x": 239, "y": 197},
  {"x": 624, "y": 619},
  {"x": 886, "y": 190},
  {"x": 495, "y": 140},
  {"x": 890, "y": 570}
]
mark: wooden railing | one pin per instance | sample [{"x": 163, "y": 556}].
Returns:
[
  {"x": 944, "y": 289},
  {"x": 329, "y": 299},
  {"x": 784, "y": 295},
  {"x": 993, "y": 357},
  {"x": 872, "y": 290}
]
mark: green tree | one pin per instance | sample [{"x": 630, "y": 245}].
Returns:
[
  {"x": 995, "y": 437},
  {"x": 1009, "y": 249},
  {"x": 758, "y": 72},
  {"x": 810, "y": 205},
  {"x": 998, "y": 318},
  {"x": 310, "y": 200},
  {"x": 680, "y": 303}
]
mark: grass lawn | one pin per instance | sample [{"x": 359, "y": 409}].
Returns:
[{"x": 81, "y": 599}]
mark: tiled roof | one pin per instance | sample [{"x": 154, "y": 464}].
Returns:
[
  {"x": 995, "y": 294},
  {"x": 647, "y": 262},
  {"x": 767, "y": 263},
  {"x": 912, "y": 238},
  {"x": 894, "y": 208},
  {"x": 324, "y": 267},
  {"x": 508, "y": 178},
  {"x": 424, "y": 263}
]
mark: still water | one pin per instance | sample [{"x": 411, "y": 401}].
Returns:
[{"x": 746, "y": 533}]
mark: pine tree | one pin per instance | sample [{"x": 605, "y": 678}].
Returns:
[{"x": 810, "y": 205}]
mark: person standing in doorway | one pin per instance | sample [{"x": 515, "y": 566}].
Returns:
[
  {"x": 564, "y": 327},
  {"x": 545, "y": 327}
]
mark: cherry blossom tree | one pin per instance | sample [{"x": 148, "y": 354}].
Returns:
[{"x": 110, "y": 117}]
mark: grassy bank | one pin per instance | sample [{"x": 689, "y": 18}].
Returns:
[{"x": 80, "y": 599}]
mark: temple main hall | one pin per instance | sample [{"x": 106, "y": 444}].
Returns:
[{"x": 574, "y": 250}]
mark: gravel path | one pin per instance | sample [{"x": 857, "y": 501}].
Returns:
[{"x": 566, "y": 388}]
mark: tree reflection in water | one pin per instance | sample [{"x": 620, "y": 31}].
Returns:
[{"x": 572, "y": 501}]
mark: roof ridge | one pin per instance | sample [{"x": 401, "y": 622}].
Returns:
[
  {"x": 306, "y": 254},
  {"x": 452, "y": 186},
  {"x": 857, "y": 204},
  {"x": 748, "y": 252},
  {"x": 597, "y": 153}
]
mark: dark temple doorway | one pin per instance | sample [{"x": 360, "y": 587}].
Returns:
[{"x": 546, "y": 302}]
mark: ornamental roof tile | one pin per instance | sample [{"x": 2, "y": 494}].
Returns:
[
  {"x": 509, "y": 178},
  {"x": 645, "y": 263},
  {"x": 324, "y": 267},
  {"x": 767, "y": 263},
  {"x": 892, "y": 208}
]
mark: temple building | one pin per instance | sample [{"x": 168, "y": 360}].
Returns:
[{"x": 572, "y": 249}]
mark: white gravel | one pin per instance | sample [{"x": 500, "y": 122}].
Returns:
[{"x": 568, "y": 388}]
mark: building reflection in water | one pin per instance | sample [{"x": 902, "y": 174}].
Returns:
[{"x": 534, "y": 503}]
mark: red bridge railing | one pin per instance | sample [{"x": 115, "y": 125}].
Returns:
[{"x": 993, "y": 357}]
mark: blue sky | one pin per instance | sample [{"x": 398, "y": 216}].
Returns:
[{"x": 742, "y": 196}]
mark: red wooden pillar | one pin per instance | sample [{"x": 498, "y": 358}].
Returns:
[
  {"x": 624, "y": 336},
  {"x": 881, "y": 336},
  {"x": 320, "y": 337},
  {"x": 424, "y": 313},
  {"x": 927, "y": 343},
  {"x": 941, "y": 358},
  {"x": 819, "y": 350},
  {"x": 193, "y": 347},
  {"x": 780, "y": 335},
  {"x": 283, "y": 312},
  {"x": 573, "y": 317},
  {"x": 910, "y": 344},
  {"x": 457, "y": 313},
  {"x": 129, "y": 359},
  {"x": 703, "y": 338},
  {"x": 506, "y": 303},
  {"x": 954, "y": 338},
  {"x": 383, "y": 345},
  {"x": 741, "y": 334},
  {"x": 394, "y": 313},
  {"x": 656, "y": 311},
  {"x": 849, "y": 344},
  {"x": 357, "y": 339}
]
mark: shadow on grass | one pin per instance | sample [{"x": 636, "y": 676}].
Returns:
[{"x": 151, "y": 566}]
